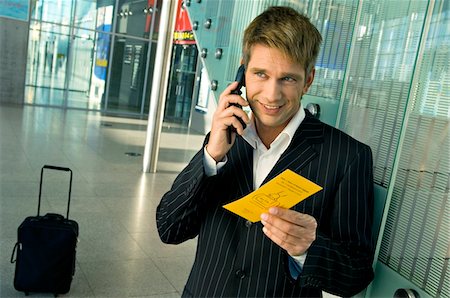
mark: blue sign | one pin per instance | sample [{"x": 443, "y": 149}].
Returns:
[{"x": 15, "y": 9}]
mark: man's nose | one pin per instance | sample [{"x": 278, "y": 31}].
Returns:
[{"x": 273, "y": 90}]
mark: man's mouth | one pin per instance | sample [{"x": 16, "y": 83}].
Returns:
[{"x": 271, "y": 107}]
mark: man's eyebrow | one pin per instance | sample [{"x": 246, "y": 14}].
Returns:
[
  {"x": 257, "y": 69},
  {"x": 296, "y": 76}
]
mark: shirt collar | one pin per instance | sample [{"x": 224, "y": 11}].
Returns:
[{"x": 251, "y": 136}]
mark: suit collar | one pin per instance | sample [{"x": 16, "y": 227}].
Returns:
[
  {"x": 299, "y": 154},
  {"x": 251, "y": 136},
  {"x": 301, "y": 151}
]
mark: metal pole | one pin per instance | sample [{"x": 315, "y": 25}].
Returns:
[
  {"x": 159, "y": 84},
  {"x": 150, "y": 46}
]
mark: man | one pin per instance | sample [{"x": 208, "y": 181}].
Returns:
[{"x": 322, "y": 243}]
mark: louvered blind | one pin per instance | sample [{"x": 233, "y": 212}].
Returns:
[
  {"x": 421, "y": 192},
  {"x": 335, "y": 21},
  {"x": 416, "y": 238},
  {"x": 380, "y": 74}
]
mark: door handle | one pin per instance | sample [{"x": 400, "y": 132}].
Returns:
[
  {"x": 314, "y": 109},
  {"x": 406, "y": 293}
]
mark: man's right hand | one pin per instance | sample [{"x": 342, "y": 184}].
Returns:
[{"x": 225, "y": 116}]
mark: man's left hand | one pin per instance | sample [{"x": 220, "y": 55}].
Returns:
[{"x": 289, "y": 229}]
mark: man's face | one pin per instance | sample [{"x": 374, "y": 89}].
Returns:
[{"x": 274, "y": 85}]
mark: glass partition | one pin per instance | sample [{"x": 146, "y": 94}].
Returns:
[
  {"x": 79, "y": 76},
  {"x": 380, "y": 75},
  {"x": 53, "y": 11},
  {"x": 47, "y": 63},
  {"x": 127, "y": 77},
  {"x": 397, "y": 100},
  {"x": 335, "y": 21},
  {"x": 386, "y": 65},
  {"x": 420, "y": 200},
  {"x": 72, "y": 60}
]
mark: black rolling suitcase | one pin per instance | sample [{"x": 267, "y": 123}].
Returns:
[{"x": 45, "y": 249}]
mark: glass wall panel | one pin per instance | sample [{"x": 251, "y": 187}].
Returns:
[
  {"x": 80, "y": 72},
  {"x": 48, "y": 48},
  {"x": 131, "y": 65},
  {"x": 335, "y": 21},
  {"x": 71, "y": 54},
  {"x": 99, "y": 70},
  {"x": 128, "y": 66},
  {"x": 421, "y": 191},
  {"x": 387, "y": 63},
  {"x": 380, "y": 74},
  {"x": 134, "y": 17},
  {"x": 181, "y": 84},
  {"x": 91, "y": 49},
  {"x": 93, "y": 14},
  {"x": 54, "y": 11}
]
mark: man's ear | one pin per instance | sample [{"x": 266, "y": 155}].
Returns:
[{"x": 309, "y": 80}]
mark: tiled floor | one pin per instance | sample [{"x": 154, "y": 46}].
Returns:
[{"x": 119, "y": 252}]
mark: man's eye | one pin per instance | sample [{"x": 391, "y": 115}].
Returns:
[
  {"x": 260, "y": 74},
  {"x": 288, "y": 79}
]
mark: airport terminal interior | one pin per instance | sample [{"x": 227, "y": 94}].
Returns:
[
  {"x": 81, "y": 86},
  {"x": 119, "y": 253}
]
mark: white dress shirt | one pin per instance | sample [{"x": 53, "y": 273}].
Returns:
[{"x": 264, "y": 159}]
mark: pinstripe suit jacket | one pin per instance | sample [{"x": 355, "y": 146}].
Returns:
[{"x": 234, "y": 258}]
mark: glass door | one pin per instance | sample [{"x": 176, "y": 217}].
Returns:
[
  {"x": 79, "y": 75},
  {"x": 48, "y": 51},
  {"x": 89, "y": 48},
  {"x": 132, "y": 57},
  {"x": 92, "y": 54},
  {"x": 128, "y": 75},
  {"x": 47, "y": 64}
]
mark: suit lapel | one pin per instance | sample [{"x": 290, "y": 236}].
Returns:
[
  {"x": 301, "y": 151},
  {"x": 243, "y": 166}
]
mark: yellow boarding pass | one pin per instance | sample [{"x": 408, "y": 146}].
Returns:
[{"x": 285, "y": 190}]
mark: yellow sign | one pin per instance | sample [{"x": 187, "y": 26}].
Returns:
[
  {"x": 101, "y": 62},
  {"x": 285, "y": 191},
  {"x": 185, "y": 35}
]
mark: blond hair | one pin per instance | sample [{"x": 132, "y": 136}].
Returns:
[{"x": 285, "y": 29}]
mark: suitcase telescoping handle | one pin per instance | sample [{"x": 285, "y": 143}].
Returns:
[{"x": 40, "y": 185}]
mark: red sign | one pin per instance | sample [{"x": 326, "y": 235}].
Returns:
[{"x": 183, "y": 29}]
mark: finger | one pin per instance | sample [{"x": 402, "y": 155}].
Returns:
[
  {"x": 238, "y": 112},
  {"x": 237, "y": 124},
  {"x": 300, "y": 219},
  {"x": 232, "y": 100},
  {"x": 294, "y": 248},
  {"x": 288, "y": 231},
  {"x": 290, "y": 222},
  {"x": 226, "y": 98},
  {"x": 295, "y": 239},
  {"x": 230, "y": 114},
  {"x": 275, "y": 233}
]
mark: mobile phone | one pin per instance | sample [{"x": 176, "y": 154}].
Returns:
[{"x": 240, "y": 78}]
